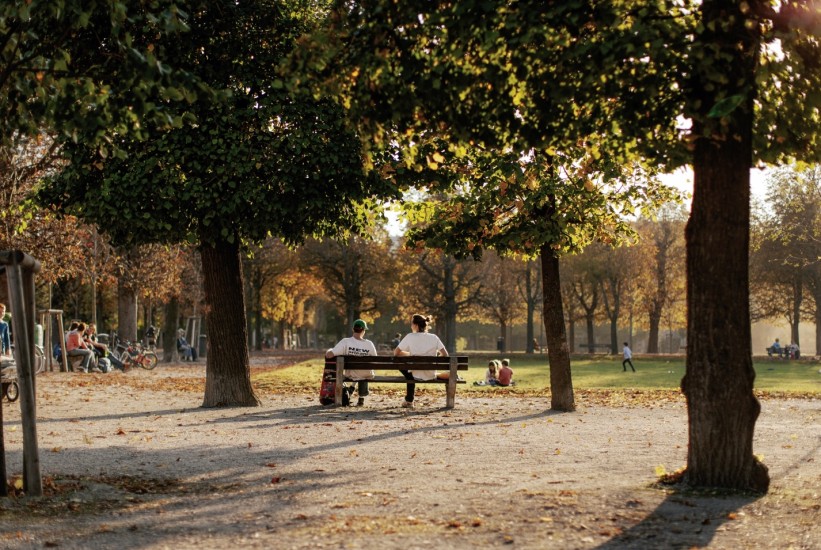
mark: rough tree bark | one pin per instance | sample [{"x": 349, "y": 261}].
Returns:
[
  {"x": 169, "y": 331},
  {"x": 126, "y": 311},
  {"x": 228, "y": 372},
  {"x": 718, "y": 383},
  {"x": 558, "y": 354}
]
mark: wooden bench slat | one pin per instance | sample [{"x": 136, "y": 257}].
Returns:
[{"x": 401, "y": 380}]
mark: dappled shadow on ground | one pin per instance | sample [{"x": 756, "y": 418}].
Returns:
[{"x": 680, "y": 521}]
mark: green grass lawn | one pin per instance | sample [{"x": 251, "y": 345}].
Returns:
[{"x": 531, "y": 374}]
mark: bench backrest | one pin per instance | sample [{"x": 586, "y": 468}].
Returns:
[{"x": 392, "y": 362}]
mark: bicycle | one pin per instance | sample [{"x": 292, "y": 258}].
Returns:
[
  {"x": 8, "y": 381},
  {"x": 134, "y": 354},
  {"x": 39, "y": 358}
]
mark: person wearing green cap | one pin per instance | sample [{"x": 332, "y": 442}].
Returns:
[{"x": 357, "y": 346}]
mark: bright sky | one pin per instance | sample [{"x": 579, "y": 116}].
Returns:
[{"x": 683, "y": 179}]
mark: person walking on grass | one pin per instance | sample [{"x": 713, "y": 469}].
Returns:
[
  {"x": 628, "y": 356},
  {"x": 357, "y": 346}
]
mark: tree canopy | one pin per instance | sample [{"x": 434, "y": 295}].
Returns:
[
  {"x": 671, "y": 82},
  {"x": 253, "y": 161},
  {"x": 89, "y": 68}
]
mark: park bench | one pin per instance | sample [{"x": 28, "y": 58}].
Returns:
[
  {"x": 605, "y": 348},
  {"x": 452, "y": 364}
]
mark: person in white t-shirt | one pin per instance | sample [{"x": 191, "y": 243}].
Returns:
[
  {"x": 420, "y": 342},
  {"x": 356, "y": 346}
]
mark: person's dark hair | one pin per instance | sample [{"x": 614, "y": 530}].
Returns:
[
  {"x": 81, "y": 327},
  {"x": 625, "y": 343},
  {"x": 73, "y": 325},
  {"x": 421, "y": 321}
]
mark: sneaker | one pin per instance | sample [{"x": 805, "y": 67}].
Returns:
[
  {"x": 95, "y": 369},
  {"x": 407, "y": 404},
  {"x": 360, "y": 402}
]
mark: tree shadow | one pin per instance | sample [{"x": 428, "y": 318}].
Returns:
[{"x": 685, "y": 519}]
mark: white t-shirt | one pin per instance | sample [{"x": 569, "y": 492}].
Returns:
[
  {"x": 627, "y": 353},
  {"x": 424, "y": 344},
  {"x": 358, "y": 348}
]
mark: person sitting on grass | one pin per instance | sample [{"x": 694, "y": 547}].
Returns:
[
  {"x": 491, "y": 374},
  {"x": 505, "y": 374}
]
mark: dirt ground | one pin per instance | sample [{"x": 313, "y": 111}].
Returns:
[{"x": 131, "y": 461}]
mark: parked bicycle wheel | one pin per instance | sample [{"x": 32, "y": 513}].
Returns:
[
  {"x": 125, "y": 359},
  {"x": 12, "y": 391},
  {"x": 39, "y": 360},
  {"x": 148, "y": 360}
]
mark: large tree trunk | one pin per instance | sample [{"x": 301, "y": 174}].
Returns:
[
  {"x": 228, "y": 373},
  {"x": 126, "y": 312},
  {"x": 169, "y": 331},
  {"x": 450, "y": 307},
  {"x": 718, "y": 383},
  {"x": 558, "y": 354}
]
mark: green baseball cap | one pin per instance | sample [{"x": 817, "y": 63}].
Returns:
[{"x": 359, "y": 324}]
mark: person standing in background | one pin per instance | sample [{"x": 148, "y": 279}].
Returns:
[{"x": 5, "y": 337}]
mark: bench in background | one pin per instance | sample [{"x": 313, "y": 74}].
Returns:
[{"x": 452, "y": 364}]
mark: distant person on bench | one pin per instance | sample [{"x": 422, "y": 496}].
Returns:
[{"x": 185, "y": 349}]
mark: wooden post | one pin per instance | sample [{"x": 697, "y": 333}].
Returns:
[
  {"x": 452, "y": 377},
  {"x": 21, "y": 293},
  {"x": 340, "y": 375}
]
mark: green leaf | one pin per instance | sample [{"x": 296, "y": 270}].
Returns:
[{"x": 726, "y": 106}]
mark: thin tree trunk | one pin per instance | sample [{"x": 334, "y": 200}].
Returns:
[
  {"x": 614, "y": 336},
  {"x": 558, "y": 354},
  {"x": 818, "y": 326},
  {"x": 172, "y": 315},
  {"x": 718, "y": 383},
  {"x": 591, "y": 333},
  {"x": 653, "y": 332},
  {"x": 228, "y": 373},
  {"x": 797, "y": 300}
]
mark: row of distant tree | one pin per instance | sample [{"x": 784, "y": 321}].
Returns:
[{"x": 293, "y": 290}]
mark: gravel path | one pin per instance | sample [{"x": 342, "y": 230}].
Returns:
[{"x": 132, "y": 464}]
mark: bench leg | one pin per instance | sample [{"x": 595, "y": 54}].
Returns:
[
  {"x": 340, "y": 365},
  {"x": 451, "y": 388}
]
